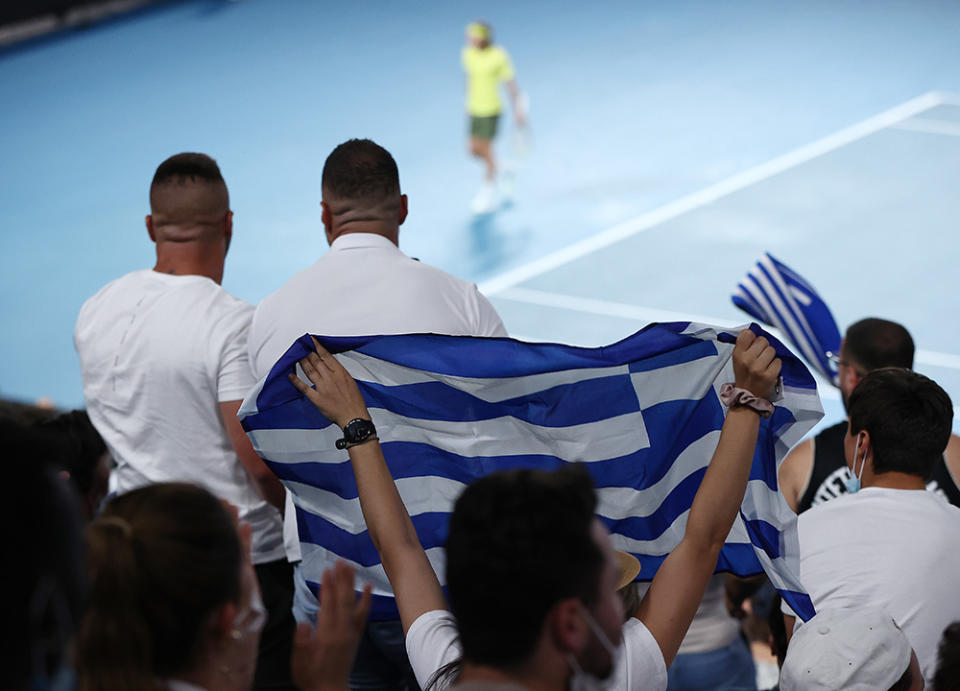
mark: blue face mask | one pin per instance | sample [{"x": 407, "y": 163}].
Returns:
[{"x": 852, "y": 482}]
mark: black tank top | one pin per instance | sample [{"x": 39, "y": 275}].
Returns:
[{"x": 828, "y": 478}]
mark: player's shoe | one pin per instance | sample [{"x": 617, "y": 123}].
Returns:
[{"x": 485, "y": 200}]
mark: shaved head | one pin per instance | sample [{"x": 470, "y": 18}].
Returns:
[{"x": 188, "y": 199}]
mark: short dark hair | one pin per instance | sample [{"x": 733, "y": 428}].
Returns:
[
  {"x": 874, "y": 343},
  {"x": 909, "y": 418},
  {"x": 948, "y": 659},
  {"x": 162, "y": 559},
  {"x": 520, "y": 541},
  {"x": 187, "y": 167},
  {"x": 361, "y": 169}
]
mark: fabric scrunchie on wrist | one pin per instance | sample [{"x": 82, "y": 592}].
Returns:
[{"x": 734, "y": 397}]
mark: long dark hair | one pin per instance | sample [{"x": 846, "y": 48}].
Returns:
[{"x": 162, "y": 559}]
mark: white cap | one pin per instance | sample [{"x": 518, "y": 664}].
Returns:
[{"x": 852, "y": 649}]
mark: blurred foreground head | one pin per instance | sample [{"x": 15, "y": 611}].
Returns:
[
  {"x": 43, "y": 582},
  {"x": 528, "y": 562},
  {"x": 166, "y": 589}
]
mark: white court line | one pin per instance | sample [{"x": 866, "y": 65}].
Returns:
[
  {"x": 948, "y": 99},
  {"x": 607, "y": 308},
  {"x": 930, "y": 126},
  {"x": 646, "y": 315},
  {"x": 714, "y": 192}
]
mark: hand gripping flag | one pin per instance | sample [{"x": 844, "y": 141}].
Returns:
[
  {"x": 643, "y": 414},
  {"x": 778, "y": 296}
]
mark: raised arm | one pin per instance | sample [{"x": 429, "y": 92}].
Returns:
[
  {"x": 415, "y": 585},
  {"x": 676, "y": 591}
]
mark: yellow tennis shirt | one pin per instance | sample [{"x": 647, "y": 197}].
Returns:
[{"x": 485, "y": 69}]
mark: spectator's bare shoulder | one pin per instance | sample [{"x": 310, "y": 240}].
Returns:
[
  {"x": 952, "y": 456},
  {"x": 794, "y": 473}
]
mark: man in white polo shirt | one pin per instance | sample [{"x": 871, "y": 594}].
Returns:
[
  {"x": 891, "y": 545},
  {"x": 164, "y": 364},
  {"x": 365, "y": 286}
]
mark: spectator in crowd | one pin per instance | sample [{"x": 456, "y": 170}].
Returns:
[
  {"x": 947, "y": 677},
  {"x": 43, "y": 580},
  {"x": 854, "y": 649},
  {"x": 891, "y": 545},
  {"x": 173, "y": 595},
  {"x": 175, "y": 604},
  {"x": 816, "y": 471},
  {"x": 164, "y": 363},
  {"x": 84, "y": 458},
  {"x": 364, "y": 285},
  {"x": 531, "y": 572}
]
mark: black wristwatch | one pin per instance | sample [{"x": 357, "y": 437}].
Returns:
[{"x": 357, "y": 431}]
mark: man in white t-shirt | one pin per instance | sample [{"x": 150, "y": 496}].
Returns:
[
  {"x": 164, "y": 364},
  {"x": 364, "y": 286},
  {"x": 891, "y": 545},
  {"x": 531, "y": 571}
]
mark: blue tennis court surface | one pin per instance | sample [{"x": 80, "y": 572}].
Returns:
[
  {"x": 868, "y": 215},
  {"x": 702, "y": 134}
]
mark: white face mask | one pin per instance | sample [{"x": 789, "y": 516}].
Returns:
[
  {"x": 853, "y": 482},
  {"x": 584, "y": 681}
]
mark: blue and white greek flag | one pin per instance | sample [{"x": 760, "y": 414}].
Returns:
[
  {"x": 778, "y": 296},
  {"x": 643, "y": 414}
]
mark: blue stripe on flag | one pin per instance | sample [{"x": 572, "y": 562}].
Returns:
[
  {"x": 431, "y": 528},
  {"x": 764, "y": 535},
  {"x": 696, "y": 351},
  {"x": 651, "y": 526},
  {"x": 561, "y": 406},
  {"x": 799, "y": 602}
]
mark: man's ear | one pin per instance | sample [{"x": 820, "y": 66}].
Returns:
[
  {"x": 221, "y": 622},
  {"x": 326, "y": 217},
  {"x": 403, "y": 210},
  {"x": 854, "y": 378},
  {"x": 149, "y": 221},
  {"x": 227, "y": 231},
  {"x": 566, "y": 626},
  {"x": 866, "y": 447}
]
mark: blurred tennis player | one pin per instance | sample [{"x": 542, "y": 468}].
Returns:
[{"x": 486, "y": 66}]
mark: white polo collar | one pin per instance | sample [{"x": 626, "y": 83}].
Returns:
[{"x": 352, "y": 241}]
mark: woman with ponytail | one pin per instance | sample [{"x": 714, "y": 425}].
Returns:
[{"x": 174, "y": 602}]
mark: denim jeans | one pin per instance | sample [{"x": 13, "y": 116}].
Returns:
[
  {"x": 381, "y": 661},
  {"x": 725, "y": 669}
]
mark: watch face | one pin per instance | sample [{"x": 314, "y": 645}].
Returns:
[{"x": 358, "y": 430}]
